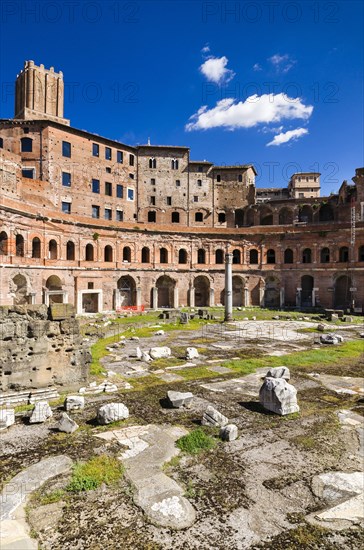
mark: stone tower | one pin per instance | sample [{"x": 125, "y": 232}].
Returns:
[{"x": 39, "y": 93}]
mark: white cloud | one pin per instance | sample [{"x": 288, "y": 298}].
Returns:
[
  {"x": 231, "y": 114},
  {"x": 206, "y": 49},
  {"x": 284, "y": 137},
  {"x": 282, "y": 63},
  {"x": 214, "y": 69},
  {"x": 257, "y": 67}
]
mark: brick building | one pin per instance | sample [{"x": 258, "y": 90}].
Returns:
[{"x": 102, "y": 225}]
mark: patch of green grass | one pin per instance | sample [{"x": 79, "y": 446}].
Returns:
[
  {"x": 91, "y": 474},
  {"x": 195, "y": 442},
  {"x": 54, "y": 496},
  {"x": 23, "y": 408},
  {"x": 305, "y": 441},
  {"x": 166, "y": 362},
  {"x": 195, "y": 373}
]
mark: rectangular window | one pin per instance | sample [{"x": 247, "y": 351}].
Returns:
[
  {"x": 107, "y": 153},
  {"x": 66, "y": 179},
  {"x": 90, "y": 286},
  {"x": 131, "y": 176},
  {"x": 108, "y": 170},
  {"x": 119, "y": 157},
  {"x": 130, "y": 194},
  {"x": 66, "y": 207},
  {"x": 152, "y": 181},
  {"x": 178, "y": 183},
  {"x": 131, "y": 160},
  {"x": 108, "y": 189},
  {"x": 108, "y": 214},
  {"x": 95, "y": 211},
  {"x": 119, "y": 215},
  {"x": 169, "y": 201},
  {"x": 199, "y": 183},
  {"x": 195, "y": 198},
  {"x": 66, "y": 149},
  {"x": 119, "y": 191},
  {"x": 28, "y": 173},
  {"x": 218, "y": 178},
  {"x": 152, "y": 201},
  {"x": 96, "y": 186},
  {"x": 95, "y": 150}
]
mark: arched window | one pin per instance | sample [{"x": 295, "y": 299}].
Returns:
[
  {"x": 182, "y": 256},
  {"x": 344, "y": 254},
  {"x": 174, "y": 164},
  {"x": 70, "y": 251},
  {"x": 36, "y": 248},
  {"x": 325, "y": 255},
  {"x": 152, "y": 163},
  {"x": 305, "y": 214},
  {"x": 271, "y": 256},
  {"x": 219, "y": 256},
  {"x": 89, "y": 256},
  {"x": 361, "y": 254},
  {"x": 307, "y": 256},
  {"x": 236, "y": 256},
  {"x": 52, "y": 249},
  {"x": 108, "y": 253},
  {"x": 3, "y": 243},
  {"x": 266, "y": 216},
  {"x": 253, "y": 256},
  {"x": 19, "y": 245},
  {"x": 145, "y": 255},
  {"x": 288, "y": 256},
  {"x": 201, "y": 256},
  {"x": 163, "y": 256},
  {"x": 175, "y": 217},
  {"x": 26, "y": 145},
  {"x": 127, "y": 254}
]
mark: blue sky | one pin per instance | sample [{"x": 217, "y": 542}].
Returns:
[{"x": 277, "y": 84}]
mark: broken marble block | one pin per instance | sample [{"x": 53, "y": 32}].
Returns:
[
  {"x": 160, "y": 352},
  {"x": 74, "y": 403},
  {"x": 212, "y": 417},
  {"x": 40, "y": 413},
  {"x": 66, "y": 424},
  {"x": 321, "y": 327},
  {"x": 191, "y": 353},
  {"x": 278, "y": 396},
  {"x": 146, "y": 357},
  {"x": 333, "y": 339},
  {"x": 7, "y": 418},
  {"x": 278, "y": 372},
  {"x": 111, "y": 412},
  {"x": 179, "y": 399},
  {"x": 159, "y": 333},
  {"x": 229, "y": 432}
]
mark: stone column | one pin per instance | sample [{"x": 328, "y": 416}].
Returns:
[
  {"x": 281, "y": 297},
  {"x": 212, "y": 297},
  {"x": 192, "y": 296},
  {"x": 155, "y": 297},
  {"x": 261, "y": 295},
  {"x": 314, "y": 292},
  {"x": 116, "y": 298},
  {"x": 228, "y": 287},
  {"x": 138, "y": 296},
  {"x": 175, "y": 297},
  {"x": 298, "y": 297},
  {"x": 246, "y": 297}
]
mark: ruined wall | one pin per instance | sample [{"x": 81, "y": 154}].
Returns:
[{"x": 40, "y": 347}]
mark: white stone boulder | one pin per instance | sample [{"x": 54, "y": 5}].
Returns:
[
  {"x": 159, "y": 333},
  {"x": 334, "y": 486},
  {"x": 138, "y": 353},
  {"x": 277, "y": 396},
  {"x": 279, "y": 372},
  {"x": 321, "y": 327},
  {"x": 40, "y": 413},
  {"x": 111, "y": 412},
  {"x": 66, "y": 424},
  {"x": 160, "y": 352},
  {"x": 332, "y": 339},
  {"x": 74, "y": 403},
  {"x": 229, "y": 432},
  {"x": 362, "y": 335},
  {"x": 212, "y": 417},
  {"x": 7, "y": 418},
  {"x": 146, "y": 357},
  {"x": 191, "y": 353},
  {"x": 180, "y": 399}
]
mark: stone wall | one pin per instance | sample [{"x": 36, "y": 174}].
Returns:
[{"x": 40, "y": 347}]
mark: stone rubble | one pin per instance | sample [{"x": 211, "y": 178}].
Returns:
[
  {"x": 279, "y": 372},
  {"x": 191, "y": 353},
  {"x": 160, "y": 352},
  {"x": 66, "y": 424},
  {"x": 179, "y": 399},
  {"x": 332, "y": 339},
  {"x": 229, "y": 432},
  {"x": 212, "y": 417},
  {"x": 111, "y": 412},
  {"x": 7, "y": 418},
  {"x": 41, "y": 412},
  {"x": 277, "y": 396},
  {"x": 74, "y": 403}
]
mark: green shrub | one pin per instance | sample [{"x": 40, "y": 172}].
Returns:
[
  {"x": 195, "y": 442},
  {"x": 91, "y": 474}
]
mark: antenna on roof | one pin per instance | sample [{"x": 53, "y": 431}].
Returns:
[{"x": 149, "y": 141}]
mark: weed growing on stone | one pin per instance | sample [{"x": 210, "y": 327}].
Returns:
[
  {"x": 91, "y": 474},
  {"x": 195, "y": 442}
]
